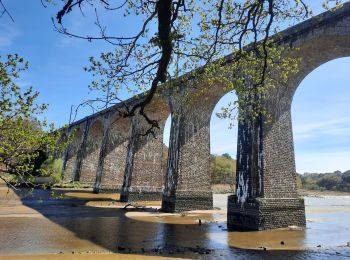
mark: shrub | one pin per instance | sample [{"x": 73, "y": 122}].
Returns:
[{"x": 52, "y": 167}]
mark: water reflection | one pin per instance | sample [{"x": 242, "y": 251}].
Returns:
[{"x": 100, "y": 224}]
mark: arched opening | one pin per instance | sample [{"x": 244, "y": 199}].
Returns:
[
  {"x": 92, "y": 152},
  {"x": 71, "y": 156},
  {"x": 166, "y": 132},
  {"x": 166, "y": 136},
  {"x": 223, "y": 145},
  {"x": 321, "y": 125}
]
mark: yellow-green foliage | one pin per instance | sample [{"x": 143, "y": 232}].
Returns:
[
  {"x": 202, "y": 34},
  {"x": 223, "y": 169},
  {"x": 52, "y": 167},
  {"x": 299, "y": 182},
  {"x": 23, "y": 142}
]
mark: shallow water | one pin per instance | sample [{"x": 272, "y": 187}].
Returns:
[{"x": 99, "y": 225}]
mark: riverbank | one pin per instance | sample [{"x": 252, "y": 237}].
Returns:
[
  {"x": 226, "y": 188},
  {"x": 319, "y": 193}
]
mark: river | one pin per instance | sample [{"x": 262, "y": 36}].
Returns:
[{"x": 87, "y": 226}]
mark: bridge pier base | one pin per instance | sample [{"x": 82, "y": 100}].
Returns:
[
  {"x": 265, "y": 213},
  {"x": 188, "y": 200},
  {"x": 144, "y": 194}
]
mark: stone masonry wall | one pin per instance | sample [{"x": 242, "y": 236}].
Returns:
[
  {"x": 116, "y": 150},
  {"x": 92, "y": 151},
  {"x": 71, "y": 156},
  {"x": 147, "y": 178},
  {"x": 187, "y": 184}
]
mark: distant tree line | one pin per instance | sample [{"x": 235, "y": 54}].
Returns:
[
  {"x": 335, "y": 181},
  {"x": 223, "y": 169}
]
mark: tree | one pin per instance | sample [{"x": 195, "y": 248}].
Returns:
[
  {"x": 346, "y": 177},
  {"x": 23, "y": 143},
  {"x": 223, "y": 170},
  {"x": 176, "y": 37},
  {"x": 329, "y": 182},
  {"x": 226, "y": 155}
]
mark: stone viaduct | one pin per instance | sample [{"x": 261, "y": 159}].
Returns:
[{"x": 109, "y": 153}]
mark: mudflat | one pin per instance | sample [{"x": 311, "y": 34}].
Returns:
[{"x": 77, "y": 224}]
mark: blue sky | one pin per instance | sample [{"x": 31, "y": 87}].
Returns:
[{"x": 321, "y": 117}]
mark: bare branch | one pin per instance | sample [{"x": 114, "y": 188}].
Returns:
[{"x": 5, "y": 11}]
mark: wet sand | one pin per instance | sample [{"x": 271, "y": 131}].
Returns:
[
  {"x": 82, "y": 225},
  {"x": 100, "y": 256}
]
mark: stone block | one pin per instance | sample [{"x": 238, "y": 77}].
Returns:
[
  {"x": 265, "y": 213},
  {"x": 188, "y": 200}
]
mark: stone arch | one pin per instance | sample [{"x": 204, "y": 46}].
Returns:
[
  {"x": 143, "y": 175},
  {"x": 279, "y": 158},
  {"x": 266, "y": 188},
  {"x": 313, "y": 53},
  {"x": 116, "y": 150},
  {"x": 146, "y": 162},
  {"x": 317, "y": 52},
  {"x": 92, "y": 151},
  {"x": 187, "y": 183},
  {"x": 71, "y": 155}
]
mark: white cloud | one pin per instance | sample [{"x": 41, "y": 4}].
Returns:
[
  {"x": 8, "y": 34},
  {"x": 336, "y": 128}
]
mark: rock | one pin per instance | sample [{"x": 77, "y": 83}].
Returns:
[
  {"x": 319, "y": 246},
  {"x": 295, "y": 228},
  {"x": 348, "y": 244}
]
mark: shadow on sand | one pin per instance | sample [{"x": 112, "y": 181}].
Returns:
[{"x": 83, "y": 222}]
